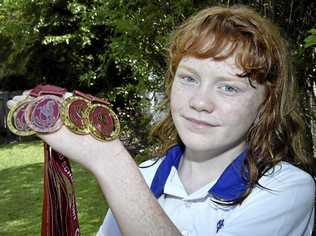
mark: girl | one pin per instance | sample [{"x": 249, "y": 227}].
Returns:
[{"x": 233, "y": 161}]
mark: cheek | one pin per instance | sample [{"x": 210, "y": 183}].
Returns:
[
  {"x": 241, "y": 115},
  {"x": 173, "y": 100},
  {"x": 178, "y": 98}
]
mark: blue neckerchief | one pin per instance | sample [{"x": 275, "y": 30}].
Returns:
[{"x": 229, "y": 186}]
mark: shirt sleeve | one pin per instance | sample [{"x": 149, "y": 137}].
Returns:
[
  {"x": 285, "y": 209},
  {"x": 109, "y": 226}
]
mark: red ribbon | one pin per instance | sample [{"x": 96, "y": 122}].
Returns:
[{"x": 59, "y": 213}]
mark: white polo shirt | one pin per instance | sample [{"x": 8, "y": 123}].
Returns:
[{"x": 285, "y": 207}]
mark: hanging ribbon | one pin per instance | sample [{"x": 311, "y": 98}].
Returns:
[{"x": 59, "y": 213}]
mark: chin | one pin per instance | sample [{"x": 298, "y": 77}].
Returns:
[{"x": 198, "y": 144}]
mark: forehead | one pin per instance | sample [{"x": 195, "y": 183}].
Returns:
[{"x": 225, "y": 67}]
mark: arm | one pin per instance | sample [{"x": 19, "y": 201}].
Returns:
[{"x": 136, "y": 210}]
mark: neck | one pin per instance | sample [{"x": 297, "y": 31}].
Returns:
[
  {"x": 218, "y": 155},
  {"x": 198, "y": 168}
]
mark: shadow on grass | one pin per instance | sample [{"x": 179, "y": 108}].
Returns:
[
  {"x": 24, "y": 144},
  {"x": 21, "y": 200}
]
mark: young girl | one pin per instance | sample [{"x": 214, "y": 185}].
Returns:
[{"x": 233, "y": 161}]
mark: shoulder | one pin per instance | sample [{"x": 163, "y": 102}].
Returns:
[
  {"x": 285, "y": 185},
  {"x": 148, "y": 169},
  {"x": 285, "y": 175},
  {"x": 281, "y": 204}
]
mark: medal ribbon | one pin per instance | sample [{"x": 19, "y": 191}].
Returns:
[{"x": 59, "y": 213}]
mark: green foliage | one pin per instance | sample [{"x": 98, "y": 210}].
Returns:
[
  {"x": 310, "y": 40},
  {"x": 116, "y": 48},
  {"x": 113, "y": 49}
]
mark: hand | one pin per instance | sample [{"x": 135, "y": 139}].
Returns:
[
  {"x": 83, "y": 149},
  {"x": 16, "y": 99}
]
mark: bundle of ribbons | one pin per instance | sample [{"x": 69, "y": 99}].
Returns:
[{"x": 46, "y": 110}]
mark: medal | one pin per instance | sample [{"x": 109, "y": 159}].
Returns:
[
  {"x": 103, "y": 123},
  {"x": 16, "y": 119},
  {"x": 72, "y": 112},
  {"x": 43, "y": 114}
]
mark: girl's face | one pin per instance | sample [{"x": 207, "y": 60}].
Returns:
[{"x": 212, "y": 108}]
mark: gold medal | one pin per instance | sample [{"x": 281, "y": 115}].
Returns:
[
  {"x": 16, "y": 119},
  {"x": 43, "y": 114},
  {"x": 102, "y": 122},
  {"x": 72, "y": 114}
]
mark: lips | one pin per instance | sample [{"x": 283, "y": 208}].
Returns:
[{"x": 199, "y": 122}]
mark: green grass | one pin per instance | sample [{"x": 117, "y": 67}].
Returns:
[{"x": 21, "y": 171}]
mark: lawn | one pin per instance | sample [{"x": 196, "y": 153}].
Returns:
[{"x": 21, "y": 171}]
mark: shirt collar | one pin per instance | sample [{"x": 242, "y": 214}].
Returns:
[
  {"x": 172, "y": 158},
  {"x": 229, "y": 186}
]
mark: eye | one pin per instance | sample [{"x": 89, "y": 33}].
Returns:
[
  {"x": 229, "y": 89},
  {"x": 188, "y": 79}
]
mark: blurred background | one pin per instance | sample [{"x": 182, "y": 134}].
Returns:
[{"x": 113, "y": 49}]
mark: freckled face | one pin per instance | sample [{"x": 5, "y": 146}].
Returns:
[{"x": 212, "y": 108}]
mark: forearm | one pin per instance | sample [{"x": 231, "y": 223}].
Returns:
[{"x": 136, "y": 210}]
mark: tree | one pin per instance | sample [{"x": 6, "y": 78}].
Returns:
[{"x": 116, "y": 48}]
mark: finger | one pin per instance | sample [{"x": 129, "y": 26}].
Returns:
[
  {"x": 67, "y": 94},
  {"x": 19, "y": 98},
  {"x": 26, "y": 92},
  {"x": 11, "y": 103}
]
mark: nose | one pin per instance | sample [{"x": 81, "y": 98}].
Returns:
[{"x": 202, "y": 100}]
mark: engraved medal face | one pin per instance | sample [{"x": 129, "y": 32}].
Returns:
[
  {"x": 76, "y": 110},
  {"x": 101, "y": 119},
  {"x": 44, "y": 113},
  {"x": 19, "y": 119},
  {"x": 16, "y": 119},
  {"x": 73, "y": 110},
  {"x": 103, "y": 122}
]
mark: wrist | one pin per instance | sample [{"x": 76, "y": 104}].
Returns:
[{"x": 106, "y": 157}]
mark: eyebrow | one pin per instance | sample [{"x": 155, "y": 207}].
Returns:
[
  {"x": 226, "y": 77},
  {"x": 188, "y": 68}
]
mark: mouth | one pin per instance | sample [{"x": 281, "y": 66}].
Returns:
[{"x": 199, "y": 123}]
